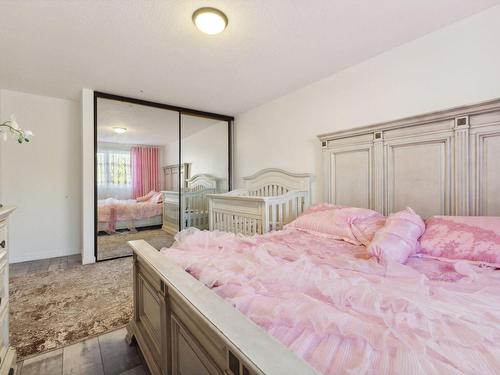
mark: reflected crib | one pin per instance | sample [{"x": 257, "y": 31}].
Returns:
[{"x": 193, "y": 204}]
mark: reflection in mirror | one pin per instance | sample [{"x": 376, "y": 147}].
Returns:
[
  {"x": 204, "y": 152},
  {"x": 134, "y": 164}
]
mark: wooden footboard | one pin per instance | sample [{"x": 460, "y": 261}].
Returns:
[{"x": 183, "y": 328}]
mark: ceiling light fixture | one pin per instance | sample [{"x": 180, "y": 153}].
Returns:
[
  {"x": 119, "y": 130},
  {"x": 210, "y": 21}
]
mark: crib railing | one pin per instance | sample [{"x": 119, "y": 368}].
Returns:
[
  {"x": 240, "y": 212},
  {"x": 270, "y": 190},
  {"x": 193, "y": 205}
]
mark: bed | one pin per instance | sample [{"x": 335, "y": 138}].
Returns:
[
  {"x": 325, "y": 300},
  {"x": 114, "y": 214},
  {"x": 271, "y": 198},
  {"x": 193, "y": 203},
  {"x": 297, "y": 302}
]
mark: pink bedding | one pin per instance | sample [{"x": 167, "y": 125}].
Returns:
[
  {"x": 398, "y": 239},
  {"x": 476, "y": 238},
  {"x": 344, "y": 312},
  {"x": 112, "y": 210}
]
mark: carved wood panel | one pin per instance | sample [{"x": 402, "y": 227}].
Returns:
[
  {"x": 418, "y": 174},
  {"x": 349, "y": 179},
  {"x": 149, "y": 310},
  {"x": 188, "y": 356},
  {"x": 486, "y": 170}
]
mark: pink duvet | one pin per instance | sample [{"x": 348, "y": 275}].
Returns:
[
  {"x": 345, "y": 313},
  {"x": 112, "y": 210}
]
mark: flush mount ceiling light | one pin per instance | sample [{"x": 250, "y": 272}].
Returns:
[
  {"x": 119, "y": 130},
  {"x": 210, "y": 20}
]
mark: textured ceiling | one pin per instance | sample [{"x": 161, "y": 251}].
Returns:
[{"x": 151, "y": 50}]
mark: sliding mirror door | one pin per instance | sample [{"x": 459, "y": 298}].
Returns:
[
  {"x": 136, "y": 170},
  {"x": 205, "y": 154}
]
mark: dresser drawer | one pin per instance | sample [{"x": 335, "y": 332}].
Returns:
[
  {"x": 4, "y": 283},
  {"x": 4, "y": 331},
  {"x": 3, "y": 236}
]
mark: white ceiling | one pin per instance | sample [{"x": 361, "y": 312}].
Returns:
[
  {"x": 151, "y": 49},
  {"x": 145, "y": 125}
]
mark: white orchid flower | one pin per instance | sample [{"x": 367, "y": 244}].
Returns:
[
  {"x": 13, "y": 122},
  {"x": 11, "y": 127}
]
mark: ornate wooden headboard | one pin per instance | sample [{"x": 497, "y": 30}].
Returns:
[
  {"x": 442, "y": 163},
  {"x": 171, "y": 175}
]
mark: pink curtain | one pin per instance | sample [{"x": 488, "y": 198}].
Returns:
[{"x": 145, "y": 170}]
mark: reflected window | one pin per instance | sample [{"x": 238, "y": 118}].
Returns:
[{"x": 114, "y": 173}]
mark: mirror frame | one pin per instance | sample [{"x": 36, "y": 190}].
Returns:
[{"x": 180, "y": 111}]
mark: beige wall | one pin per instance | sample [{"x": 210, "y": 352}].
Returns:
[
  {"x": 43, "y": 178},
  {"x": 456, "y": 65}
]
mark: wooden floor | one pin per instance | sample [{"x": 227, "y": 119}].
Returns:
[
  {"x": 44, "y": 265},
  {"x": 107, "y": 354}
]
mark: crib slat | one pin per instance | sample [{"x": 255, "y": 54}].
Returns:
[
  {"x": 294, "y": 207},
  {"x": 287, "y": 213},
  {"x": 273, "y": 216},
  {"x": 280, "y": 216}
]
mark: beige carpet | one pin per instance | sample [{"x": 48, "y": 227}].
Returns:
[
  {"x": 115, "y": 245},
  {"x": 51, "y": 309}
]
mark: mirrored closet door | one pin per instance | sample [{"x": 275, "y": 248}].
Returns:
[
  {"x": 204, "y": 153},
  {"x": 132, "y": 145},
  {"x": 155, "y": 166}
]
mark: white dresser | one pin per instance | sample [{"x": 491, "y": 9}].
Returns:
[{"x": 7, "y": 353}]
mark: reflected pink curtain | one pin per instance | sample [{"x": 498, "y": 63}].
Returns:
[{"x": 145, "y": 170}]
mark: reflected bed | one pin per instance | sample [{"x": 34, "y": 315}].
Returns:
[{"x": 114, "y": 214}]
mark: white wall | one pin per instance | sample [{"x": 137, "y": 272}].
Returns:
[
  {"x": 457, "y": 65},
  {"x": 42, "y": 178}
]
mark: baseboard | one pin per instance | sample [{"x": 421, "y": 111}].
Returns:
[
  {"x": 88, "y": 259},
  {"x": 28, "y": 256}
]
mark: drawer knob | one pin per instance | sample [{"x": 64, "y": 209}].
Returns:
[{"x": 2, "y": 244}]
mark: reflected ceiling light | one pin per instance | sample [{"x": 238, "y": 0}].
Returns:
[
  {"x": 210, "y": 20},
  {"x": 119, "y": 129}
]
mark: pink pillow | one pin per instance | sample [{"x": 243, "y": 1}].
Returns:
[
  {"x": 398, "y": 239},
  {"x": 475, "y": 238},
  {"x": 336, "y": 222},
  {"x": 156, "y": 198},
  {"x": 364, "y": 230},
  {"x": 146, "y": 197}
]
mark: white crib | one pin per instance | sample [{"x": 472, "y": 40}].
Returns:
[
  {"x": 193, "y": 203},
  {"x": 271, "y": 199}
]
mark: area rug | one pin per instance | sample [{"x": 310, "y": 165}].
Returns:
[
  {"x": 115, "y": 245},
  {"x": 56, "y": 308}
]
